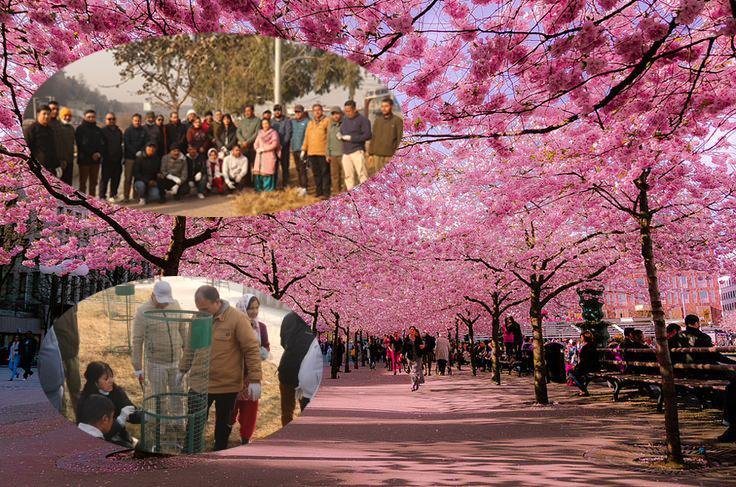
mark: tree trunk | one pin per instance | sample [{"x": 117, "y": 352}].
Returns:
[
  {"x": 347, "y": 350},
  {"x": 540, "y": 368},
  {"x": 176, "y": 247},
  {"x": 671, "y": 421},
  {"x": 357, "y": 349},
  {"x": 334, "y": 359},
  {"x": 495, "y": 329},
  {"x": 472, "y": 349}
]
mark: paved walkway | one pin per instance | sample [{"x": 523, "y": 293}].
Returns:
[{"x": 367, "y": 428}]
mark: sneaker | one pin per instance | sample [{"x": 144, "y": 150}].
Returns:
[
  {"x": 302, "y": 192},
  {"x": 142, "y": 202},
  {"x": 111, "y": 200},
  {"x": 126, "y": 201},
  {"x": 200, "y": 196},
  {"x": 244, "y": 441},
  {"x": 177, "y": 197},
  {"x": 118, "y": 199},
  {"x": 162, "y": 200}
]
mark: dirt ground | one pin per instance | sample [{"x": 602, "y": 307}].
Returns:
[{"x": 246, "y": 203}]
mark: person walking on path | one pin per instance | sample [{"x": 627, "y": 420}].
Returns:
[
  {"x": 27, "y": 353},
  {"x": 296, "y": 340},
  {"x": 245, "y": 411},
  {"x": 41, "y": 141},
  {"x": 135, "y": 140},
  {"x": 67, "y": 335},
  {"x": 587, "y": 363},
  {"x": 333, "y": 151},
  {"x": 14, "y": 358},
  {"x": 112, "y": 159},
  {"x": 248, "y": 128},
  {"x": 413, "y": 351},
  {"x": 313, "y": 147},
  {"x": 388, "y": 130},
  {"x": 298, "y": 129},
  {"x": 90, "y": 147},
  {"x": 354, "y": 133},
  {"x": 397, "y": 344},
  {"x": 163, "y": 345},
  {"x": 66, "y": 139},
  {"x": 267, "y": 148},
  {"x": 442, "y": 352},
  {"x": 233, "y": 343},
  {"x": 282, "y": 125}
]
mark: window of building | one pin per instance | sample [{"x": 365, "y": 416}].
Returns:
[
  {"x": 683, "y": 281},
  {"x": 703, "y": 296}
]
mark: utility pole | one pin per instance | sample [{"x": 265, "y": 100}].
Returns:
[{"x": 277, "y": 72}]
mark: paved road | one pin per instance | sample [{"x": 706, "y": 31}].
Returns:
[{"x": 367, "y": 428}]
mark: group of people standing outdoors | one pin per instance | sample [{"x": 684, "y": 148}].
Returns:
[
  {"x": 213, "y": 153},
  {"x": 21, "y": 352}
]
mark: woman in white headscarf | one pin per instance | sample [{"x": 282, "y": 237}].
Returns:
[{"x": 246, "y": 409}]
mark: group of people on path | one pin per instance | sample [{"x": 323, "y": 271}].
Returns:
[
  {"x": 21, "y": 353},
  {"x": 213, "y": 154}
]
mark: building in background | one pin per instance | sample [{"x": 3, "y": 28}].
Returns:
[{"x": 683, "y": 293}]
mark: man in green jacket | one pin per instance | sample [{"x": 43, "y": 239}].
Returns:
[
  {"x": 248, "y": 128},
  {"x": 387, "y": 133},
  {"x": 333, "y": 151}
]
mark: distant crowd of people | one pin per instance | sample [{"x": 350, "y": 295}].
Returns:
[{"x": 213, "y": 154}]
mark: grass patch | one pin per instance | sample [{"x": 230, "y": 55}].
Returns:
[{"x": 94, "y": 337}]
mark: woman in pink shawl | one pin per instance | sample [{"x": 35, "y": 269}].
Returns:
[
  {"x": 267, "y": 148},
  {"x": 245, "y": 406}
]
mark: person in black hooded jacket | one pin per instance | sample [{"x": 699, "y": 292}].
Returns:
[
  {"x": 146, "y": 171},
  {"x": 296, "y": 338}
]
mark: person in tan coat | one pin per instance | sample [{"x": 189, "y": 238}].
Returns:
[
  {"x": 314, "y": 145},
  {"x": 233, "y": 342}
]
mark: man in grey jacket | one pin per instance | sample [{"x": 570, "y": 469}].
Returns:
[
  {"x": 163, "y": 345},
  {"x": 175, "y": 174},
  {"x": 333, "y": 151}
]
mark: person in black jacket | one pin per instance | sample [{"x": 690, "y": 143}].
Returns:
[
  {"x": 112, "y": 159},
  {"x": 296, "y": 338},
  {"x": 226, "y": 134},
  {"x": 176, "y": 132},
  {"x": 99, "y": 378},
  {"x": 41, "y": 140},
  {"x": 196, "y": 170},
  {"x": 136, "y": 138},
  {"x": 27, "y": 353},
  {"x": 90, "y": 147},
  {"x": 146, "y": 171},
  {"x": 587, "y": 362},
  {"x": 413, "y": 351}
]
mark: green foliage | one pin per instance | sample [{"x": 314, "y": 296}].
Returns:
[{"x": 230, "y": 71}]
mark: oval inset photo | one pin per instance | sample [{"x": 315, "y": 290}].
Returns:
[
  {"x": 180, "y": 365},
  {"x": 213, "y": 125}
]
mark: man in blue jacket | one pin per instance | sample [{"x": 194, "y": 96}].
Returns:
[
  {"x": 299, "y": 127},
  {"x": 281, "y": 124},
  {"x": 134, "y": 140},
  {"x": 354, "y": 133}
]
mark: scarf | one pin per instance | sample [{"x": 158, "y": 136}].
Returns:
[{"x": 243, "y": 306}]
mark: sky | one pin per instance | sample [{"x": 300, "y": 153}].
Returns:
[{"x": 99, "y": 71}]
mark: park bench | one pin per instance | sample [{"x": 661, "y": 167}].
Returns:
[
  {"x": 704, "y": 381},
  {"x": 523, "y": 366}
]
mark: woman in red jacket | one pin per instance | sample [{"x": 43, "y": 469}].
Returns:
[
  {"x": 245, "y": 407},
  {"x": 197, "y": 135}
]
